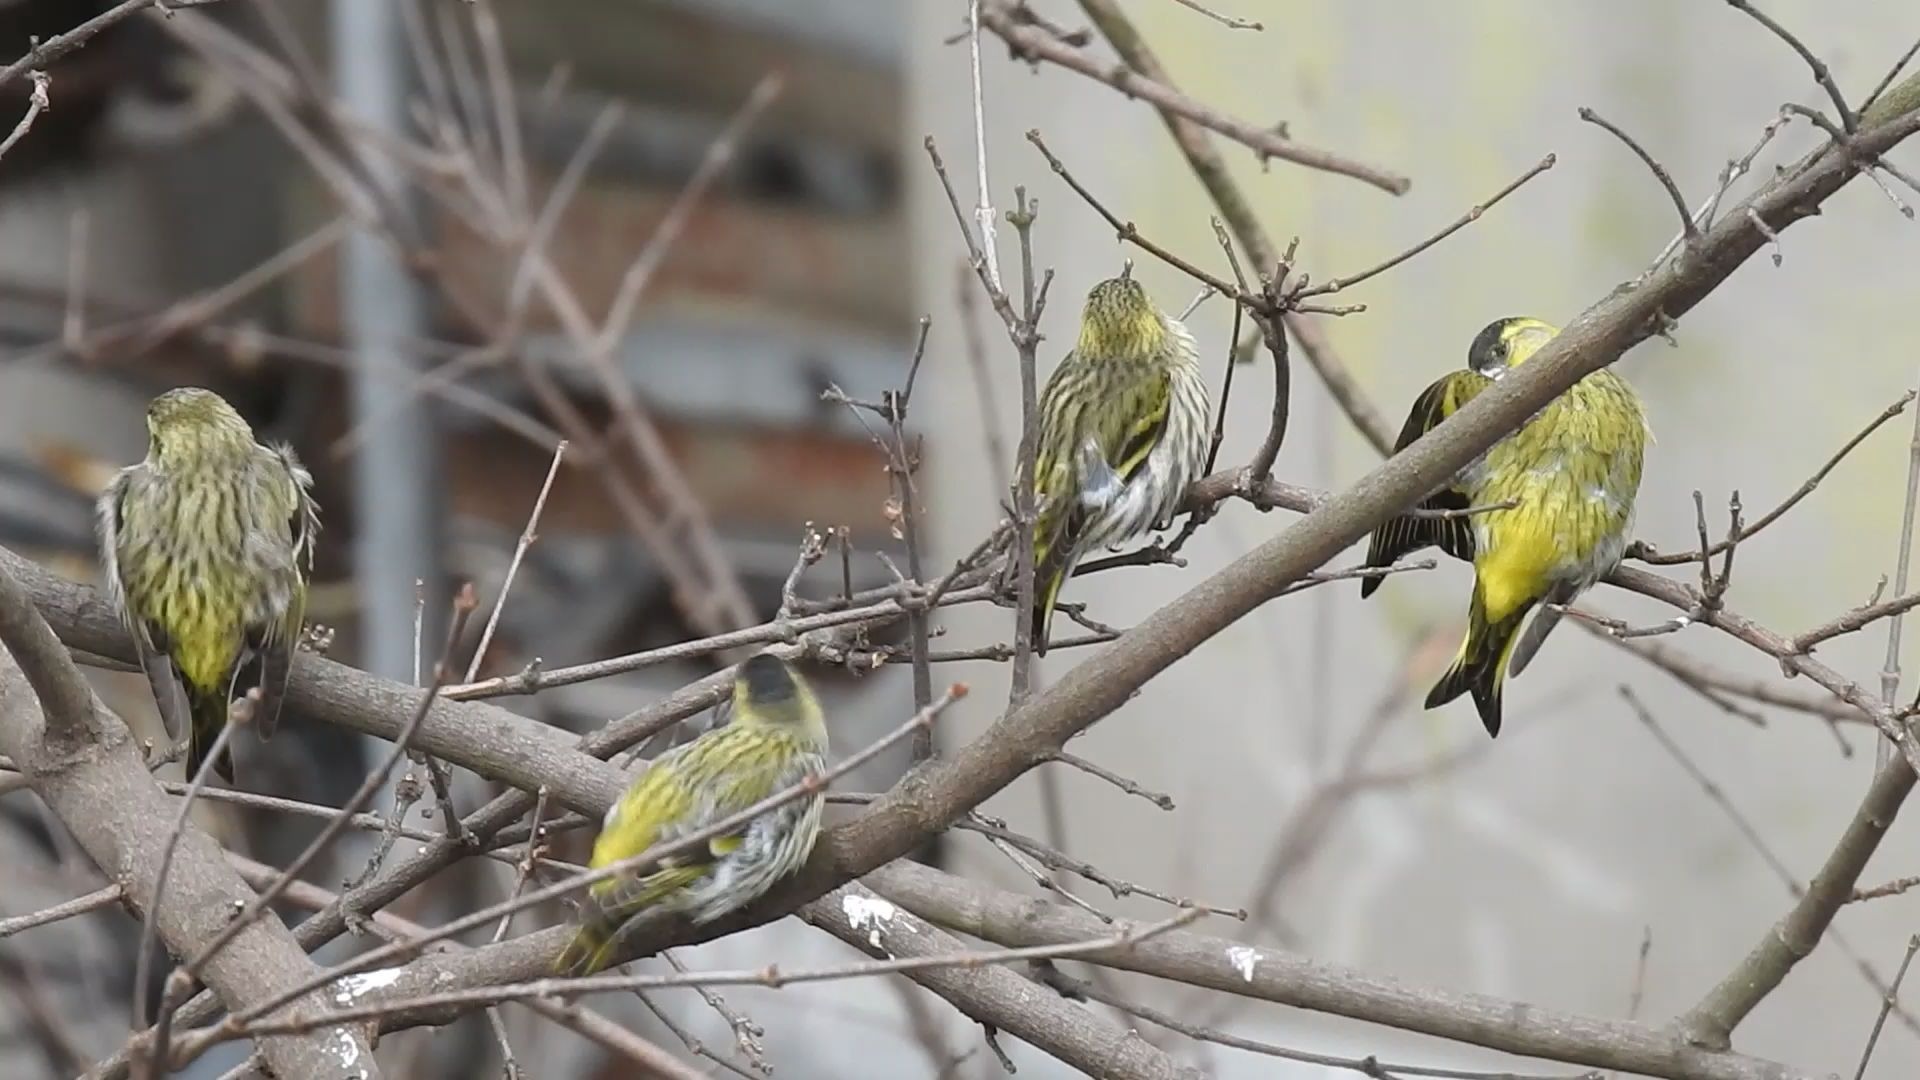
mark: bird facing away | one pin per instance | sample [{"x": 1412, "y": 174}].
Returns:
[
  {"x": 776, "y": 739},
  {"x": 1571, "y": 474},
  {"x": 1123, "y": 431},
  {"x": 208, "y": 546}
]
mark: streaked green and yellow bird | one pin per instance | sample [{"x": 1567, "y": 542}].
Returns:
[
  {"x": 1123, "y": 431},
  {"x": 1571, "y": 474},
  {"x": 208, "y": 545},
  {"x": 775, "y": 739}
]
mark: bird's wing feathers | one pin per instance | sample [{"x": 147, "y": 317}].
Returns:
[
  {"x": 1405, "y": 533},
  {"x": 303, "y": 514},
  {"x": 683, "y": 791},
  {"x": 149, "y": 640},
  {"x": 276, "y": 643},
  {"x": 1142, "y": 426},
  {"x": 1078, "y": 439},
  {"x": 108, "y": 513}
]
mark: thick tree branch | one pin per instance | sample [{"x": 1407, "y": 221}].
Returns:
[
  {"x": 994, "y": 996},
  {"x": 1221, "y": 964},
  {"x": 82, "y": 763}
]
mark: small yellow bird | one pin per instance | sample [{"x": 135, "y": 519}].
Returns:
[
  {"x": 776, "y": 738},
  {"x": 1123, "y": 431},
  {"x": 1572, "y": 473},
  {"x": 208, "y": 546}
]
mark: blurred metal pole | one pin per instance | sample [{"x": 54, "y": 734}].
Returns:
[
  {"x": 395, "y": 512},
  {"x": 396, "y": 490}
]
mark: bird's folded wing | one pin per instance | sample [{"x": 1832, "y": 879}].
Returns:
[{"x": 1406, "y": 533}]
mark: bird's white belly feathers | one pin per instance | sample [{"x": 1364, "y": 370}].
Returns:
[{"x": 1121, "y": 510}]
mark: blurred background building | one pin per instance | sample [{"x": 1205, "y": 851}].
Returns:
[{"x": 181, "y": 215}]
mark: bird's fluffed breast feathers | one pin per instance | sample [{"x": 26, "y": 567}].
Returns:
[{"x": 1120, "y": 322}]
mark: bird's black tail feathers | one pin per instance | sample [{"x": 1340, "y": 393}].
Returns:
[
  {"x": 209, "y": 718},
  {"x": 1480, "y": 668}
]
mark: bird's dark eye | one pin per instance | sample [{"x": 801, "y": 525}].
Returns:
[{"x": 1500, "y": 350}]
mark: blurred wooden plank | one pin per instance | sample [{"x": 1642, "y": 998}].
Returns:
[
  {"x": 753, "y": 481},
  {"x": 698, "y": 56},
  {"x": 827, "y": 266}
]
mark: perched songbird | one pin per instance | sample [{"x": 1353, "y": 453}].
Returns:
[
  {"x": 1571, "y": 474},
  {"x": 208, "y": 546},
  {"x": 776, "y": 738},
  {"x": 1123, "y": 431}
]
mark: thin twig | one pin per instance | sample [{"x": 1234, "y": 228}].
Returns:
[
  {"x": 529, "y": 862},
  {"x": 746, "y": 1033},
  {"x": 1890, "y": 671},
  {"x": 1640, "y": 974},
  {"x": 1703, "y": 218},
  {"x": 687, "y": 1039},
  {"x": 1648, "y": 554},
  {"x": 1128, "y": 232},
  {"x": 983, "y": 216},
  {"x": 1895, "y": 887},
  {"x": 1055, "y": 859},
  {"x": 1887, "y": 1004},
  {"x": 509, "y": 1065},
  {"x": 1766, "y": 231},
  {"x": 1164, "y": 802},
  {"x": 79, "y": 905},
  {"x": 1333, "y": 285},
  {"x": 36, "y": 104},
  {"x": 1859, "y": 618},
  {"x": 44, "y": 53},
  {"x": 1229, "y": 21},
  {"x": 719, "y": 154},
  {"x": 1025, "y": 334},
  {"x": 1032, "y": 43},
  {"x": 902, "y": 465},
  {"x": 527, "y": 537},
  {"x": 1687, "y": 226},
  {"x": 1887, "y": 79},
  {"x": 535, "y": 679},
  {"x": 1820, "y": 73},
  {"x": 1039, "y": 877}
]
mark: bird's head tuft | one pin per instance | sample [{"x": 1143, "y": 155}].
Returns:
[
  {"x": 766, "y": 680},
  {"x": 1506, "y": 343},
  {"x": 1120, "y": 321},
  {"x": 767, "y": 690},
  {"x": 189, "y": 421}
]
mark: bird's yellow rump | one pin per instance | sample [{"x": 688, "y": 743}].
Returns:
[
  {"x": 1123, "y": 431},
  {"x": 776, "y": 739},
  {"x": 208, "y": 545},
  {"x": 1570, "y": 474}
]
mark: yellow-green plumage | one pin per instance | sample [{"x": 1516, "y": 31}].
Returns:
[
  {"x": 208, "y": 545},
  {"x": 1123, "y": 432},
  {"x": 776, "y": 738},
  {"x": 1572, "y": 473}
]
